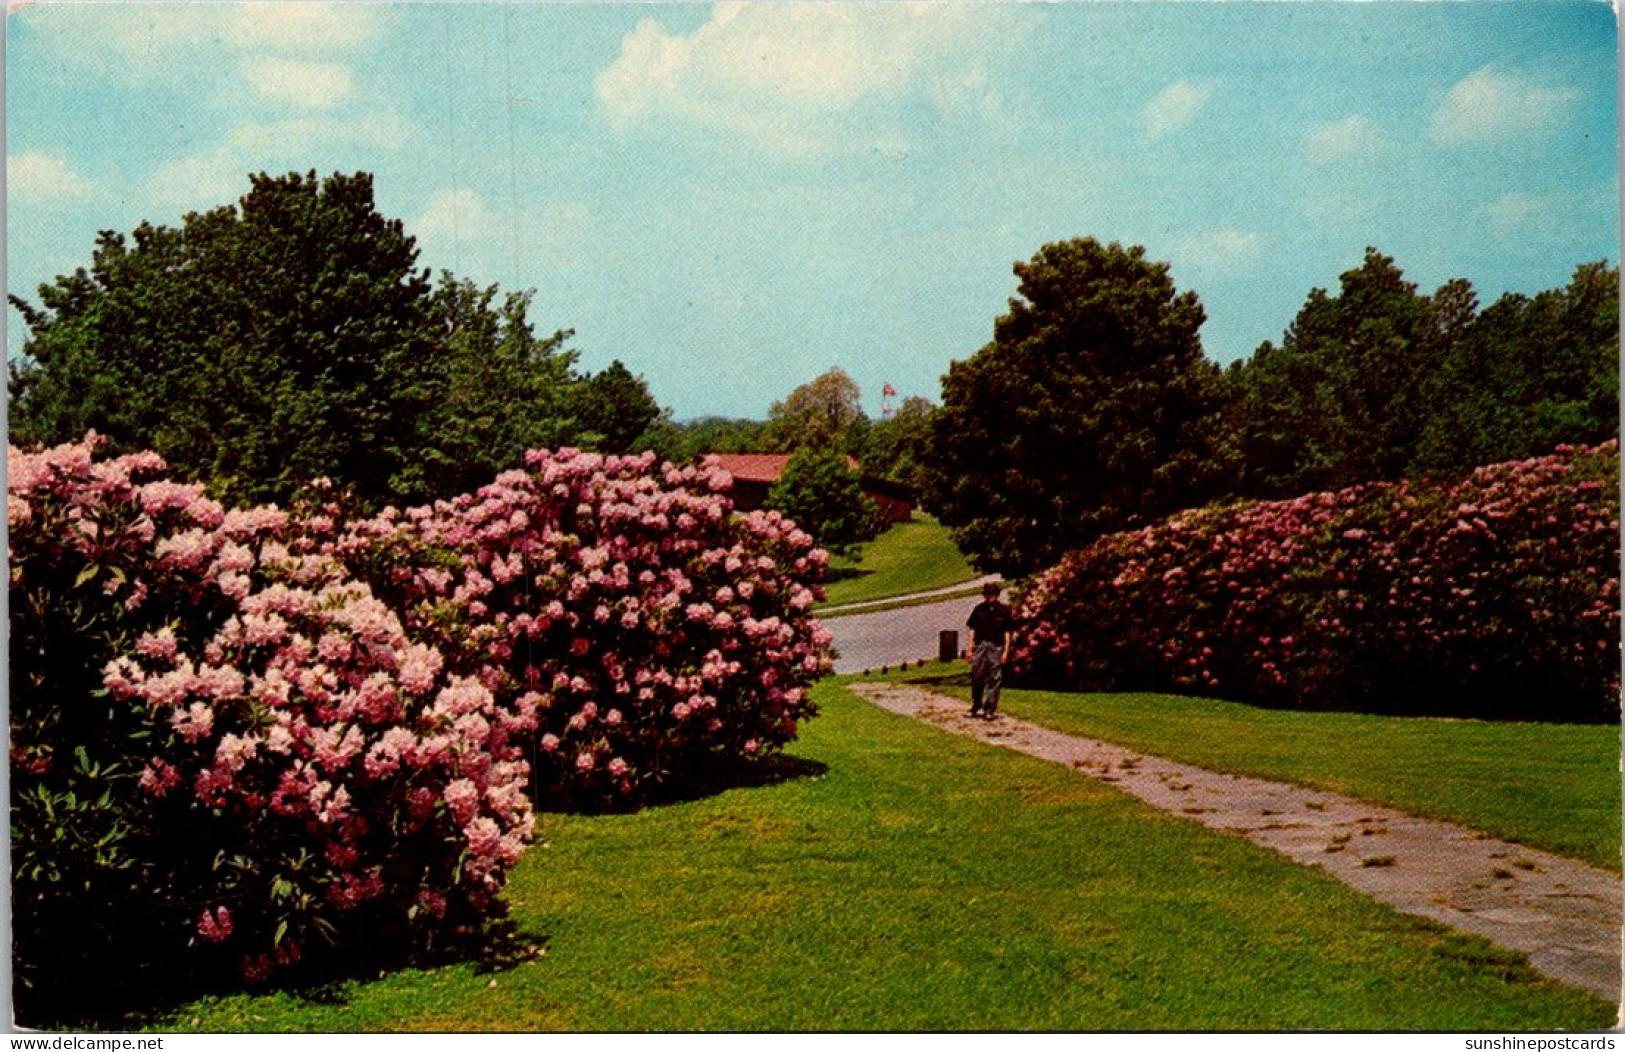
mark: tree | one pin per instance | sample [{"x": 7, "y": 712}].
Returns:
[
  {"x": 893, "y": 447},
  {"x": 617, "y": 408},
  {"x": 501, "y": 391},
  {"x": 1343, "y": 399},
  {"x": 1527, "y": 375},
  {"x": 291, "y": 337},
  {"x": 820, "y": 491},
  {"x": 256, "y": 346},
  {"x": 1092, "y": 410},
  {"x": 819, "y": 413}
]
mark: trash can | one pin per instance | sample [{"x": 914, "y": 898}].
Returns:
[{"x": 947, "y": 645}]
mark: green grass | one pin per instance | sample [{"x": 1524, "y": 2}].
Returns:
[
  {"x": 1551, "y": 786},
  {"x": 913, "y": 556},
  {"x": 922, "y": 881}
]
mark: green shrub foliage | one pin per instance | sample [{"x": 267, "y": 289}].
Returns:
[{"x": 1496, "y": 596}]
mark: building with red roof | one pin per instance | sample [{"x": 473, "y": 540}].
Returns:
[{"x": 755, "y": 473}]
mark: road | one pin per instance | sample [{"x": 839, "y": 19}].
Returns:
[{"x": 891, "y": 637}]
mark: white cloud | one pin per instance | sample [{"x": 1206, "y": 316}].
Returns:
[
  {"x": 1223, "y": 249},
  {"x": 1351, "y": 138},
  {"x": 219, "y": 175},
  {"x": 174, "y": 41},
  {"x": 202, "y": 180},
  {"x": 35, "y": 177},
  {"x": 454, "y": 216},
  {"x": 1175, "y": 106},
  {"x": 1487, "y": 105},
  {"x": 460, "y": 230},
  {"x": 1519, "y": 214},
  {"x": 311, "y": 27},
  {"x": 317, "y": 85},
  {"x": 788, "y": 74}
]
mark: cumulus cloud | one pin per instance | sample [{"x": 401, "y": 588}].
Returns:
[
  {"x": 460, "y": 228},
  {"x": 145, "y": 41},
  {"x": 454, "y": 216},
  {"x": 317, "y": 85},
  {"x": 788, "y": 74},
  {"x": 1488, "y": 105},
  {"x": 201, "y": 180},
  {"x": 35, "y": 177},
  {"x": 1175, "y": 106},
  {"x": 218, "y": 174},
  {"x": 1351, "y": 138},
  {"x": 1217, "y": 249},
  {"x": 1519, "y": 214},
  {"x": 311, "y": 27}
]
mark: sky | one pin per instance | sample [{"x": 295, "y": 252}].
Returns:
[{"x": 733, "y": 199}]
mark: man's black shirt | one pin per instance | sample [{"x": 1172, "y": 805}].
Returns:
[{"x": 990, "y": 621}]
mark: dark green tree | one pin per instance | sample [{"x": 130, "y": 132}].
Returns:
[
  {"x": 892, "y": 447},
  {"x": 616, "y": 408},
  {"x": 1092, "y": 410},
  {"x": 289, "y": 337},
  {"x": 824, "y": 413},
  {"x": 255, "y": 347},
  {"x": 1343, "y": 399},
  {"x": 823, "y": 494},
  {"x": 1528, "y": 374},
  {"x": 500, "y": 390},
  {"x": 681, "y": 442}
]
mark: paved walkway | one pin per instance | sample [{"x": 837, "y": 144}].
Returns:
[
  {"x": 1563, "y": 914},
  {"x": 950, "y": 590}
]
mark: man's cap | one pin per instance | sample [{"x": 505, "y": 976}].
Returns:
[{"x": 991, "y": 589}]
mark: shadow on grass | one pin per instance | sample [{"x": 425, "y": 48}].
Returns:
[
  {"x": 155, "y": 992},
  {"x": 721, "y": 778}
]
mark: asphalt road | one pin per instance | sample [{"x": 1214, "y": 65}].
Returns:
[{"x": 891, "y": 637}]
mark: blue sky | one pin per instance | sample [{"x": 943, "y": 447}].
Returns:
[{"x": 732, "y": 199}]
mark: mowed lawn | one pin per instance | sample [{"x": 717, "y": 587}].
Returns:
[
  {"x": 1551, "y": 786},
  {"x": 913, "y": 556},
  {"x": 916, "y": 880}
]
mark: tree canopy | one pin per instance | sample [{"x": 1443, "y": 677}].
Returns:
[
  {"x": 1091, "y": 410},
  {"x": 1380, "y": 382},
  {"x": 824, "y": 495},
  {"x": 821, "y": 413},
  {"x": 292, "y": 336}
]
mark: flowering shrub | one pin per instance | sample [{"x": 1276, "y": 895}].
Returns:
[
  {"x": 220, "y": 741},
  {"x": 648, "y": 632},
  {"x": 1494, "y": 596},
  {"x": 258, "y": 733}
]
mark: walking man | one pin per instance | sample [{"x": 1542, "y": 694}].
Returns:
[{"x": 989, "y": 647}]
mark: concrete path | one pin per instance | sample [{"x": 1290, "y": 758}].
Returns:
[
  {"x": 891, "y": 637},
  {"x": 1563, "y": 914}
]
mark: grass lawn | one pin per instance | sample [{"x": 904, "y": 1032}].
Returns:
[
  {"x": 912, "y": 556},
  {"x": 1551, "y": 786},
  {"x": 921, "y": 881}
]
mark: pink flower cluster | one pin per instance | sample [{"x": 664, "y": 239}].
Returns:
[
  {"x": 1497, "y": 595},
  {"x": 621, "y": 605},
  {"x": 305, "y": 766}
]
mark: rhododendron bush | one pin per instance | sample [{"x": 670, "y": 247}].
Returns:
[
  {"x": 1497, "y": 595},
  {"x": 245, "y": 736},
  {"x": 220, "y": 742},
  {"x": 651, "y": 633}
]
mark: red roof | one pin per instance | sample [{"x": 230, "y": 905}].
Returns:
[
  {"x": 753, "y": 467},
  {"x": 760, "y": 467}
]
